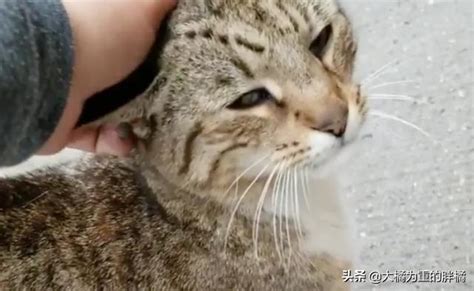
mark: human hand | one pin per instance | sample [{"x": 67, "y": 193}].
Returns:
[{"x": 111, "y": 39}]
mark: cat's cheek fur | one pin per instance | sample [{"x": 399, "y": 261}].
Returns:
[
  {"x": 323, "y": 147},
  {"x": 354, "y": 123}
]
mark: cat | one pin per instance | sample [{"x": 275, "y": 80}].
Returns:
[{"x": 253, "y": 98}]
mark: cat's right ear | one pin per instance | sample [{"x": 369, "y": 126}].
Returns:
[
  {"x": 129, "y": 113},
  {"x": 131, "y": 120}
]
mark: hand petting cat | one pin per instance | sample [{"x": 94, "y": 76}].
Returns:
[
  {"x": 111, "y": 39},
  {"x": 56, "y": 54}
]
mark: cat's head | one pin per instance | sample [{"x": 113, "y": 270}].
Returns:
[{"x": 247, "y": 82}]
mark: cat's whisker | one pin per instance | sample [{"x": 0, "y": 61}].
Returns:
[
  {"x": 297, "y": 209},
  {"x": 304, "y": 260},
  {"x": 280, "y": 214},
  {"x": 276, "y": 194},
  {"x": 236, "y": 193},
  {"x": 242, "y": 197},
  {"x": 394, "y": 97},
  {"x": 245, "y": 172},
  {"x": 297, "y": 199},
  {"x": 402, "y": 121},
  {"x": 382, "y": 85},
  {"x": 305, "y": 188},
  {"x": 287, "y": 225},
  {"x": 277, "y": 180},
  {"x": 259, "y": 208},
  {"x": 295, "y": 221},
  {"x": 35, "y": 199},
  {"x": 377, "y": 73}
]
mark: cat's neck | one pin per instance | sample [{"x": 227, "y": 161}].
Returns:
[{"x": 314, "y": 212}]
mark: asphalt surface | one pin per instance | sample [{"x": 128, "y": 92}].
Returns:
[{"x": 412, "y": 195}]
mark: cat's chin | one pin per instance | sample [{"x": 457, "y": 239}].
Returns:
[{"x": 335, "y": 161}]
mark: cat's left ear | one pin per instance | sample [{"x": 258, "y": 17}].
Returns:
[{"x": 342, "y": 53}]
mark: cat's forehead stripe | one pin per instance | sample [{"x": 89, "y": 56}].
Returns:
[
  {"x": 257, "y": 48},
  {"x": 195, "y": 131},
  {"x": 243, "y": 66},
  {"x": 268, "y": 17},
  {"x": 292, "y": 20}
]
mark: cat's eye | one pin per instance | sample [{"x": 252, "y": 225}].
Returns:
[
  {"x": 319, "y": 45},
  {"x": 251, "y": 99}
]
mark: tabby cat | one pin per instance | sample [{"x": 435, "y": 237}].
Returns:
[{"x": 253, "y": 99}]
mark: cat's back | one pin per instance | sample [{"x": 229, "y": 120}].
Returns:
[
  {"x": 98, "y": 226},
  {"x": 63, "y": 226}
]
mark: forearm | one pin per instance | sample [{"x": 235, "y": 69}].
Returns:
[{"x": 36, "y": 60}]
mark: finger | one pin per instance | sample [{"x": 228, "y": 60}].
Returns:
[
  {"x": 104, "y": 140},
  {"x": 110, "y": 142}
]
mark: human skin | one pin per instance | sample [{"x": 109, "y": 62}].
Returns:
[{"x": 111, "y": 38}]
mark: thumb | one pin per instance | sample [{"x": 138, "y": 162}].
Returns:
[{"x": 107, "y": 139}]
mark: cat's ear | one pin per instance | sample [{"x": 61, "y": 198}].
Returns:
[
  {"x": 342, "y": 53},
  {"x": 132, "y": 111},
  {"x": 131, "y": 118}
]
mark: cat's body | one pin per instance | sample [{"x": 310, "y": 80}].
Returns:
[
  {"x": 104, "y": 228},
  {"x": 252, "y": 97}
]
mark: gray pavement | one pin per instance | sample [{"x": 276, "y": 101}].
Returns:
[{"x": 413, "y": 195}]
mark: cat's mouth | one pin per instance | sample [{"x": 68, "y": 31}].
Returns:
[
  {"x": 312, "y": 156},
  {"x": 322, "y": 154}
]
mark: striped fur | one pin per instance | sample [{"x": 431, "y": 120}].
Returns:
[{"x": 164, "y": 221}]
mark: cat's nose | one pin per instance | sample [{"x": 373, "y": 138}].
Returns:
[{"x": 332, "y": 118}]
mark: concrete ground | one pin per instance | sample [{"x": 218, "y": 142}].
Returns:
[{"x": 413, "y": 195}]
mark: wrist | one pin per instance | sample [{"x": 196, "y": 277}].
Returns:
[
  {"x": 82, "y": 83},
  {"x": 110, "y": 39}
]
